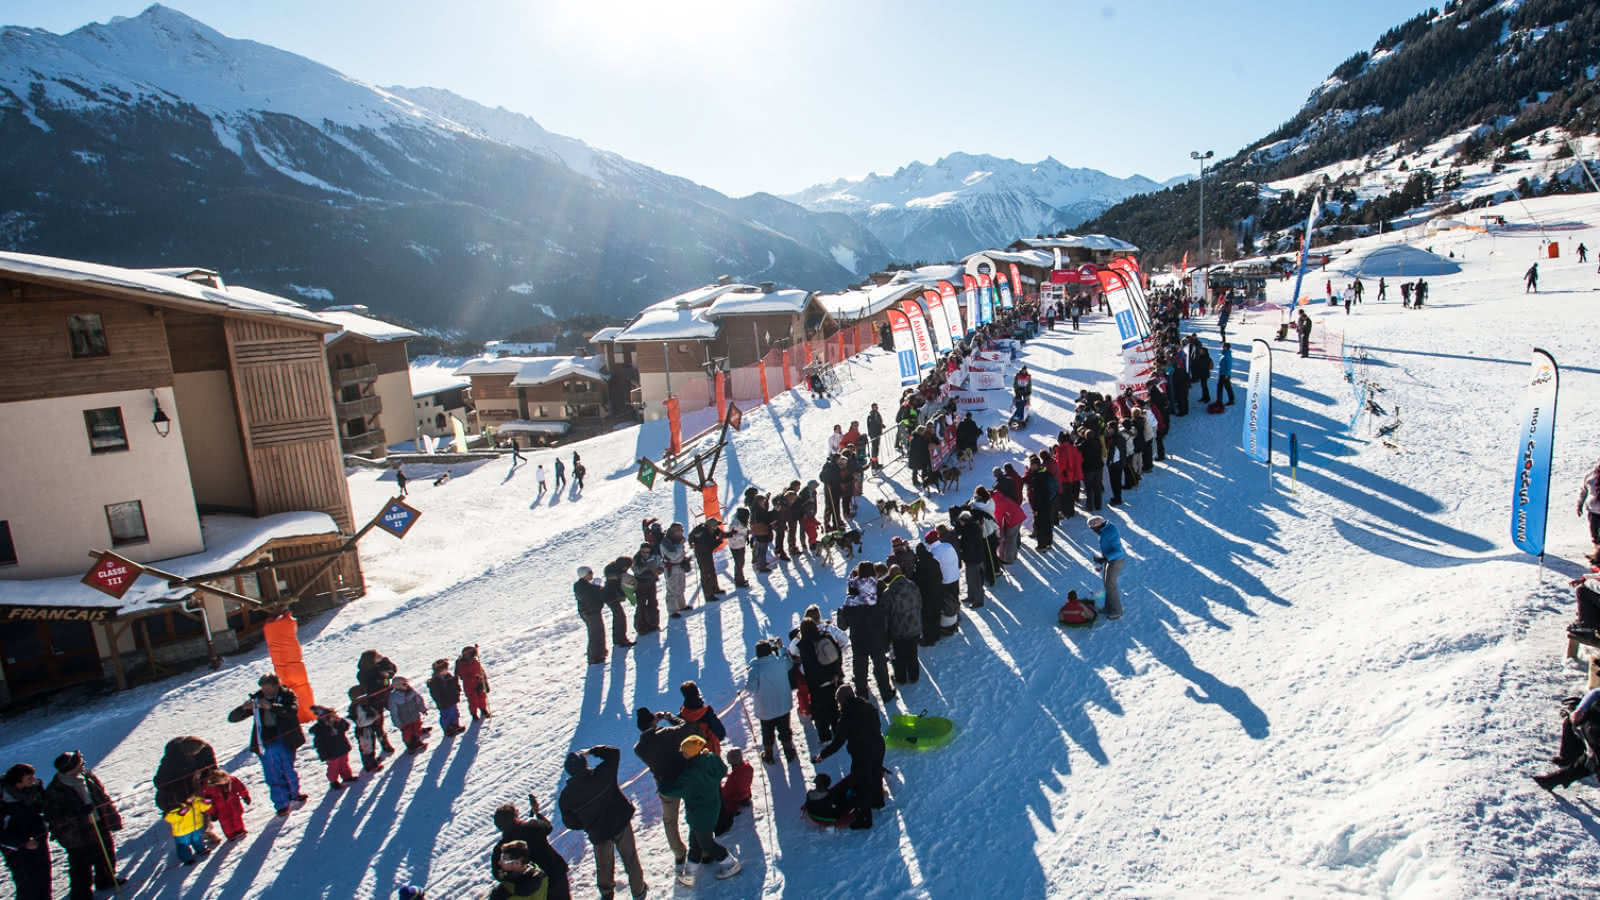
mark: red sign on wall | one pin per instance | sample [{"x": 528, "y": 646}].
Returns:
[{"x": 112, "y": 575}]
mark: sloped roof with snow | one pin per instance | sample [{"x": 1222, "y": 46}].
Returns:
[
  {"x": 492, "y": 365},
  {"x": 928, "y": 275},
  {"x": 747, "y": 301},
  {"x": 850, "y": 306},
  {"x": 605, "y": 334},
  {"x": 683, "y": 317},
  {"x": 1039, "y": 259},
  {"x": 545, "y": 369},
  {"x": 1079, "y": 242},
  {"x": 227, "y": 539},
  {"x": 77, "y": 272},
  {"x": 364, "y": 326},
  {"x": 432, "y": 374}
]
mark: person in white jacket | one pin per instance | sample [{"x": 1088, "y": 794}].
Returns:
[
  {"x": 1589, "y": 503},
  {"x": 738, "y": 532},
  {"x": 836, "y": 440},
  {"x": 940, "y": 544}
]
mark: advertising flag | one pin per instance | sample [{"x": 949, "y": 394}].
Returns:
[
  {"x": 1183, "y": 267},
  {"x": 1305, "y": 246},
  {"x": 969, "y": 287},
  {"x": 938, "y": 325},
  {"x": 1005, "y": 292},
  {"x": 1129, "y": 267},
  {"x": 900, "y": 327},
  {"x": 985, "y": 299},
  {"x": 1016, "y": 281},
  {"x": 1257, "y": 438},
  {"x": 919, "y": 333},
  {"x": 952, "y": 310},
  {"x": 1115, "y": 287},
  {"x": 1530, "y": 497}
]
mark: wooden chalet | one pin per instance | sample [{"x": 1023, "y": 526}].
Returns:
[
  {"x": 173, "y": 421},
  {"x": 367, "y": 366}
]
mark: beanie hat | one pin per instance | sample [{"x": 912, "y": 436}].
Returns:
[
  {"x": 320, "y": 711},
  {"x": 932, "y": 537},
  {"x": 410, "y": 892},
  {"x": 15, "y": 774},
  {"x": 585, "y": 572},
  {"x": 692, "y": 745},
  {"x": 576, "y": 764},
  {"x": 1095, "y": 522},
  {"x": 68, "y": 761}
]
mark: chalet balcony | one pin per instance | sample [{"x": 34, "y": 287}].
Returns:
[
  {"x": 358, "y": 375},
  {"x": 360, "y": 443},
  {"x": 360, "y": 408}
]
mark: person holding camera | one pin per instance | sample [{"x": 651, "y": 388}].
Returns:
[
  {"x": 592, "y": 803},
  {"x": 275, "y": 735},
  {"x": 660, "y": 736}
]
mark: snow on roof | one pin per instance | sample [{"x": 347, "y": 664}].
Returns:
[
  {"x": 228, "y": 540},
  {"x": 850, "y": 306},
  {"x": 76, "y": 271},
  {"x": 606, "y": 334},
  {"x": 927, "y": 275},
  {"x": 525, "y": 426},
  {"x": 545, "y": 369},
  {"x": 1039, "y": 259},
  {"x": 1079, "y": 242},
  {"x": 432, "y": 374},
  {"x": 746, "y": 301},
  {"x": 351, "y": 322},
  {"x": 677, "y": 318},
  {"x": 492, "y": 365}
]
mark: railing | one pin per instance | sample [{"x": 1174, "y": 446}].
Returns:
[
  {"x": 365, "y": 406},
  {"x": 360, "y": 442},
  {"x": 358, "y": 374}
]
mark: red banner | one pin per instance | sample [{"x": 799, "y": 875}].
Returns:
[
  {"x": 938, "y": 325},
  {"x": 674, "y": 427},
  {"x": 1016, "y": 281},
  {"x": 788, "y": 378},
  {"x": 761, "y": 367},
  {"x": 722, "y": 395},
  {"x": 283, "y": 647},
  {"x": 919, "y": 333}
]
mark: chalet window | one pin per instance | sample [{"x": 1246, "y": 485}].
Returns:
[
  {"x": 541, "y": 414},
  {"x": 88, "y": 338},
  {"x": 438, "y": 421},
  {"x": 106, "y": 434},
  {"x": 8, "y": 550},
  {"x": 127, "y": 523}
]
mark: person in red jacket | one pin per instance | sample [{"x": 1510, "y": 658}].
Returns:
[
  {"x": 1008, "y": 517},
  {"x": 473, "y": 681},
  {"x": 1053, "y": 466},
  {"x": 735, "y": 789},
  {"x": 227, "y": 796},
  {"x": 1070, "y": 459},
  {"x": 696, "y": 710}
]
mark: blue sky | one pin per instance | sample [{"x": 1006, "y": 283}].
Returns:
[{"x": 775, "y": 95}]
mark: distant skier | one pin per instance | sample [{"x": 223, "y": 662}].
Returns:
[
  {"x": 1383, "y": 290},
  {"x": 474, "y": 682},
  {"x": 577, "y": 473},
  {"x": 1225, "y": 372},
  {"x": 405, "y": 711},
  {"x": 561, "y": 474},
  {"x": 1360, "y": 289},
  {"x": 1302, "y": 327},
  {"x": 516, "y": 452},
  {"x": 1419, "y": 294},
  {"x": 1224, "y": 310},
  {"x": 1532, "y": 278},
  {"x": 1349, "y": 298},
  {"x": 400, "y": 478},
  {"x": 1583, "y": 253},
  {"x": 539, "y": 476}
]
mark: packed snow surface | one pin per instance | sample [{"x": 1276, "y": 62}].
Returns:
[{"x": 1331, "y": 686}]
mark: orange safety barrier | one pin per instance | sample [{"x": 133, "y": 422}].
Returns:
[{"x": 283, "y": 646}]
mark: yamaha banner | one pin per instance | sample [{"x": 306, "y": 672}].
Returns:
[
  {"x": 904, "y": 351},
  {"x": 1530, "y": 496},
  {"x": 1115, "y": 286},
  {"x": 1257, "y": 437}
]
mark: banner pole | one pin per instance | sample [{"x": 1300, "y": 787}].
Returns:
[{"x": 1541, "y": 568}]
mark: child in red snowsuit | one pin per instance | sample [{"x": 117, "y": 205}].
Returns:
[
  {"x": 227, "y": 796},
  {"x": 735, "y": 789},
  {"x": 474, "y": 683}
]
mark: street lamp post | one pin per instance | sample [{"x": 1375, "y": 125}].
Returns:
[{"x": 1202, "y": 157}]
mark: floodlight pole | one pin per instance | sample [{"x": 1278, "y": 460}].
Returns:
[{"x": 1202, "y": 157}]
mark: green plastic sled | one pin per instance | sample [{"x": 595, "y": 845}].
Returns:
[{"x": 919, "y": 732}]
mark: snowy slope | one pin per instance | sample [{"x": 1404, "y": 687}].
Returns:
[{"x": 1333, "y": 691}]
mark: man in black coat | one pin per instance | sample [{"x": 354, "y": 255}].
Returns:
[
  {"x": 591, "y": 599},
  {"x": 967, "y": 434},
  {"x": 660, "y": 736},
  {"x": 593, "y": 804},
  {"x": 930, "y": 581},
  {"x": 82, "y": 817},
  {"x": 832, "y": 478},
  {"x": 24, "y": 839},
  {"x": 535, "y": 832},
  {"x": 875, "y": 433},
  {"x": 704, "y": 540},
  {"x": 919, "y": 456},
  {"x": 859, "y": 732},
  {"x": 974, "y": 552},
  {"x": 1200, "y": 370},
  {"x": 869, "y": 644},
  {"x": 274, "y": 736}
]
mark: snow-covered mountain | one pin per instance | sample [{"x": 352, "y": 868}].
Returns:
[
  {"x": 965, "y": 202},
  {"x": 157, "y": 140}
]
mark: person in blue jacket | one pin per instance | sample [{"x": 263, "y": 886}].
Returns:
[
  {"x": 1111, "y": 559},
  {"x": 1225, "y": 373}
]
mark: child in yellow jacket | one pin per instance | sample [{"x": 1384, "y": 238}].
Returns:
[{"x": 189, "y": 829}]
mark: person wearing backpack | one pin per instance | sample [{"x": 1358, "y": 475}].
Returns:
[
  {"x": 902, "y": 608},
  {"x": 822, "y": 663},
  {"x": 697, "y": 711}
]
